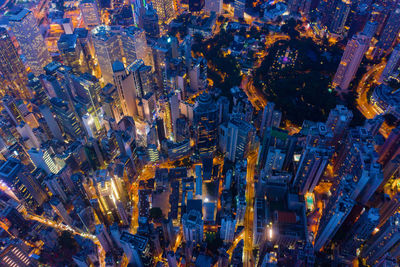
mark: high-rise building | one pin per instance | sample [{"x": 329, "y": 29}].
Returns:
[
  {"x": 370, "y": 29},
  {"x": 338, "y": 121},
  {"x": 42, "y": 159},
  {"x": 25, "y": 187},
  {"x": 51, "y": 122},
  {"x": 239, "y": 6},
  {"x": 71, "y": 53},
  {"x": 360, "y": 165},
  {"x": 29, "y": 138},
  {"x": 235, "y": 138},
  {"x": 359, "y": 233},
  {"x": 134, "y": 46},
  {"x": 126, "y": 89},
  {"x": 150, "y": 22},
  {"x": 108, "y": 50},
  {"x": 334, "y": 214},
  {"x": 389, "y": 34},
  {"x": 10, "y": 107},
  {"x": 15, "y": 254},
  {"x": 192, "y": 226},
  {"x": 351, "y": 59},
  {"x": 142, "y": 76},
  {"x": 380, "y": 243},
  {"x": 270, "y": 118},
  {"x": 340, "y": 16},
  {"x": 40, "y": 95},
  {"x": 66, "y": 117},
  {"x": 11, "y": 66},
  {"x": 31, "y": 41},
  {"x": 90, "y": 13},
  {"x": 259, "y": 222},
  {"x": 165, "y": 9},
  {"x": 205, "y": 122},
  {"x": 228, "y": 226},
  {"x": 373, "y": 125},
  {"x": 59, "y": 208},
  {"x": 312, "y": 165},
  {"x": 213, "y": 6},
  {"x": 392, "y": 65},
  {"x": 390, "y": 148}
]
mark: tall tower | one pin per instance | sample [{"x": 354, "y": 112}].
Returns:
[
  {"x": 391, "y": 147},
  {"x": 71, "y": 53},
  {"x": 90, "y": 13},
  {"x": 351, "y": 59},
  {"x": 31, "y": 41},
  {"x": 312, "y": 165},
  {"x": 11, "y": 66},
  {"x": 165, "y": 9},
  {"x": 340, "y": 16},
  {"x": 126, "y": 89},
  {"x": 25, "y": 187},
  {"x": 150, "y": 22},
  {"x": 392, "y": 65},
  {"x": 338, "y": 121},
  {"x": 387, "y": 237},
  {"x": 192, "y": 226},
  {"x": 134, "y": 46},
  {"x": 213, "y": 6},
  {"x": 389, "y": 34},
  {"x": 108, "y": 50},
  {"x": 359, "y": 233},
  {"x": 334, "y": 214},
  {"x": 239, "y": 6},
  {"x": 205, "y": 122}
]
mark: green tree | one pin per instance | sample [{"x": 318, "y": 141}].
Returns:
[{"x": 156, "y": 213}]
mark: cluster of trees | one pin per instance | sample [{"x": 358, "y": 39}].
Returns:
[
  {"x": 223, "y": 69},
  {"x": 301, "y": 91}
]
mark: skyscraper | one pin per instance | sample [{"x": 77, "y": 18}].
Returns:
[
  {"x": 351, "y": 59},
  {"x": 90, "y": 13},
  {"x": 71, "y": 53},
  {"x": 235, "y": 138},
  {"x": 150, "y": 22},
  {"x": 334, "y": 214},
  {"x": 312, "y": 165},
  {"x": 108, "y": 50},
  {"x": 134, "y": 46},
  {"x": 31, "y": 41},
  {"x": 239, "y": 6},
  {"x": 228, "y": 226},
  {"x": 126, "y": 89},
  {"x": 165, "y": 9},
  {"x": 142, "y": 76},
  {"x": 390, "y": 148},
  {"x": 213, "y": 6},
  {"x": 392, "y": 65},
  {"x": 192, "y": 226},
  {"x": 42, "y": 159},
  {"x": 359, "y": 233},
  {"x": 338, "y": 121},
  {"x": 340, "y": 16},
  {"x": 11, "y": 66},
  {"x": 66, "y": 117},
  {"x": 387, "y": 237},
  {"x": 389, "y": 34},
  {"x": 25, "y": 187},
  {"x": 205, "y": 122},
  {"x": 270, "y": 117}
]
